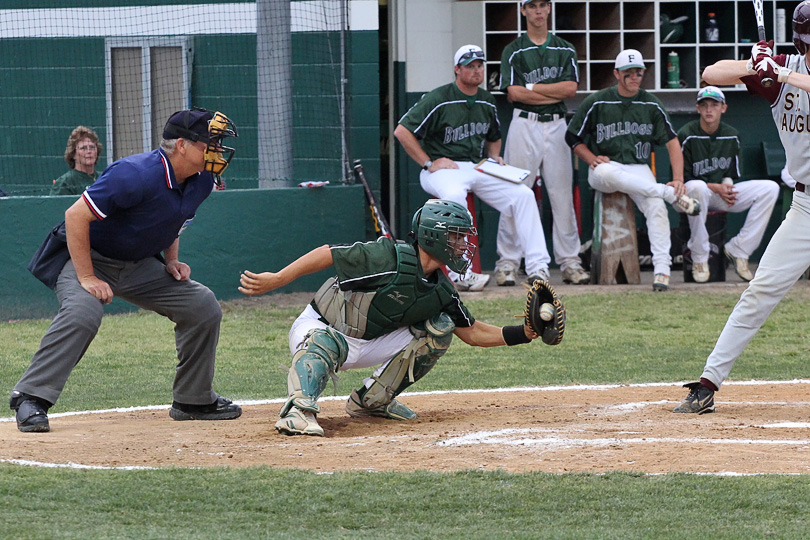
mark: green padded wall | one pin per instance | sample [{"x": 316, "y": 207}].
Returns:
[{"x": 258, "y": 230}]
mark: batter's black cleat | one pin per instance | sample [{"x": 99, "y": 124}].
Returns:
[
  {"x": 699, "y": 401},
  {"x": 32, "y": 416},
  {"x": 222, "y": 409}
]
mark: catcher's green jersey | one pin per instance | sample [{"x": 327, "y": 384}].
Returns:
[
  {"x": 380, "y": 287},
  {"x": 451, "y": 124},
  {"x": 525, "y": 62},
  {"x": 709, "y": 157},
  {"x": 621, "y": 128}
]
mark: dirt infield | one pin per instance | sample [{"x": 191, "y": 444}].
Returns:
[
  {"x": 588, "y": 429},
  {"x": 556, "y": 429}
]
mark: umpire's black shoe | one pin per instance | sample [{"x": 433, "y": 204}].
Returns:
[
  {"x": 32, "y": 416},
  {"x": 699, "y": 401},
  {"x": 222, "y": 409}
]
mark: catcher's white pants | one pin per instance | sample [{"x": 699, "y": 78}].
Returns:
[
  {"x": 758, "y": 195},
  {"x": 784, "y": 261},
  {"x": 640, "y": 184},
  {"x": 541, "y": 146},
  {"x": 514, "y": 201},
  {"x": 363, "y": 353}
]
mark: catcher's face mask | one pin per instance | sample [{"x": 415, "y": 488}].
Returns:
[
  {"x": 218, "y": 156},
  {"x": 443, "y": 229},
  {"x": 460, "y": 249}
]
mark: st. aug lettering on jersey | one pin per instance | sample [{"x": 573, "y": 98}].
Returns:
[
  {"x": 453, "y": 125},
  {"x": 790, "y": 108},
  {"x": 554, "y": 61}
]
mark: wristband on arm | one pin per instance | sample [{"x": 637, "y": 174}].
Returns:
[{"x": 514, "y": 335}]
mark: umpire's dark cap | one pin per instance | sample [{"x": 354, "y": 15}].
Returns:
[{"x": 189, "y": 124}]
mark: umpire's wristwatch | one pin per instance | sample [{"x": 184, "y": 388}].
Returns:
[{"x": 427, "y": 165}]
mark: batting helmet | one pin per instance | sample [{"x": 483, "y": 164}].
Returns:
[
  {"x": 442, "y": 229},
  {"x": 801, "y": 26}
]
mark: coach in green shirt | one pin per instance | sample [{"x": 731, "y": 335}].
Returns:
[{"x": 447, "y": 133}]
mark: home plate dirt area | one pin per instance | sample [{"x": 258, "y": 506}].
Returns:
[{"x": 758, "y": 428}]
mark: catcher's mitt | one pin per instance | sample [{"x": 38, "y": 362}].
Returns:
[{"x": 551, "y": 331}]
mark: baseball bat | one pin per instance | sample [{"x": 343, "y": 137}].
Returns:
[
  {"x": 767, "y": 82},
  {"x": 380, "y": 223}
]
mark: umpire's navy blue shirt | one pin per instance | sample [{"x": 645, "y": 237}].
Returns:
[{"x": 140, "y": 206}]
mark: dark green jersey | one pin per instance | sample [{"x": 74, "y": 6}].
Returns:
[
  {"x": 451, "y": 124},
  {"x": 709, "y": 157},
  {"x": 380, "y": 287},
  {"x": 525, "y": 62},
  {"x": 72, "y": 182},
  {"x": 623, "y": 129}
]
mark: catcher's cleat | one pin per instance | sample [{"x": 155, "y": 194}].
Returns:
[
  {"x": 505, "y": 278},
  {"x": 298, "y": 422},
  {"x": 699, "y": 401},
  {"x": 394, "y": 410},
  {"x": 687, "y": 205},
  {"x": 575, "y": 274},
  {"x": 222, "y": 409},
  {"x": 32, "y": 417},
  {"x": 660, "y": 282},
  {"x": 700, "y": 272},
  {"x": 471, "y": 282},
  {"x": 740, "y": 266}
]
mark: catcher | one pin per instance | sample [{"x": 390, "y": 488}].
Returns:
[{"x": 390, "y": 305}]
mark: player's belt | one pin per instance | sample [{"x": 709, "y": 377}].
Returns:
[
  {"x": 546, "y": 117},
  {"x": 801, "y": 187}
]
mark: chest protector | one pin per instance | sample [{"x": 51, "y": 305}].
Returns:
[{"x": 406, "y": 300}]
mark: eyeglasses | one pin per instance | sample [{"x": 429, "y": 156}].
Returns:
[
  {"x": 86, "y": 148},
  {"x": 470, "y": 56}
]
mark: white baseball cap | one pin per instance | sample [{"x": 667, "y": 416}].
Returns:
[
  {"x": 468, "y": 53},
  {"x": 524, "y": 2},
  {"x": 629, "y": 58},
  {"x": 711, "y": 92}
]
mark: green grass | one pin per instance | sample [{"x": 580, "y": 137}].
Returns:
[{"x": 610, "y": 338}]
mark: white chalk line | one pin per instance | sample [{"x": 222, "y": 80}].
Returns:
[
  {"x": 500, "y": 437},
  {"x": 561, "y": 388},
  {"x": 522, "y": 437}
]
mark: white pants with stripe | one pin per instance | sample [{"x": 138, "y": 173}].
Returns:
[
  {"x": 784, "y": 261},
  {"x": 756, "y": 196},
  {"x": 515, "y": 202},
  {"x": 640, "y": 184},
  {"x": 540, "y": 146}
]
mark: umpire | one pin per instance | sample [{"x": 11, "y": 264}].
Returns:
[{"x": 123, "y": 240}]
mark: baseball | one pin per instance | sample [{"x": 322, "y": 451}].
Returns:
[{"x": 546, "y": 312}]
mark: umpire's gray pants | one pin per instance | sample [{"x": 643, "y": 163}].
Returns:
[{"x": 191, "y": 306}]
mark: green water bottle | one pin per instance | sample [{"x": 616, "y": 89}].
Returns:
[{"x": 673, "y": 70}]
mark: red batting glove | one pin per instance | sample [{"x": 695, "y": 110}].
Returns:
[
  {"x": 759, "y": 51},
  {"x": 768, "y": 68}
]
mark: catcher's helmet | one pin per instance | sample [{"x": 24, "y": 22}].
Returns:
[
  {"x": 801, "y": 26},
  {"x": 442, "y": 228},
  {"x": 201, "y": 125}
]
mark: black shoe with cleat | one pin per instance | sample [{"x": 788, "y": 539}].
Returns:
[
  {"x": 222, "y": 409},
  {"x": 700, "y": 400}
]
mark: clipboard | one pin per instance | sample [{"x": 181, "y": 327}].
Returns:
[{"x": 504, "y": 172}]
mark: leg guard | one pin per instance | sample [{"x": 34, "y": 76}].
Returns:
[
  {"x": 407, "y": 367},
  {"x": 324, "y": 352}
]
